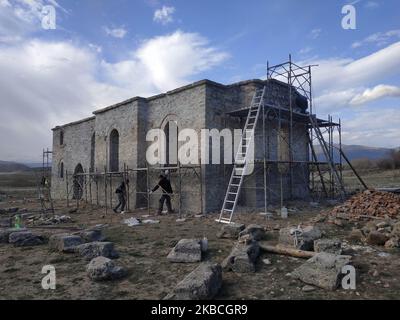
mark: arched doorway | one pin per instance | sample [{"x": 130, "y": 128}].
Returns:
[
  {"x": 78, "y": 182},
  {"x": 114, "y": 151}
]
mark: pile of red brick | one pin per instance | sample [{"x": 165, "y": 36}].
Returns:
[{"x": 370, "y": 203}]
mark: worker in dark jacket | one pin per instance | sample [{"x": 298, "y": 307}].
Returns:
[
  {"x": 166, "y": 188},
  {"x": 121, "y": 193}
]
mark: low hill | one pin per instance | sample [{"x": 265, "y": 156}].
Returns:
[
  {"x": 8, "y": 166},
  {"x": 354, "y": 152}
]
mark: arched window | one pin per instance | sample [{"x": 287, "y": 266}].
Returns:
[
  {"x": 114, "y": 151},
  {"x": 171, "y": 140},
  {"x": 61, "y": 138},
  {"x": 92, "y": 152},
  {"x": 61, "y": 170},
  {"x": 78, "y": 182}
]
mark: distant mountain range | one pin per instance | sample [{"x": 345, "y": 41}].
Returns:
[
  {"x": 8, "y": 166},
  {"x": 354, "y": 152}
]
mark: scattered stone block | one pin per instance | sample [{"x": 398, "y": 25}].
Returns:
[
  {"x": 97, "y": 249},
  {"x": 383, "y": 224},
  {"x": 203, "y": 283},
  {"x": 324, "y": 270},
  {"x": 5, "y": 222},
  {"x": 308, "y": 288},
  {"x": 305, "y": 237},
  {"x": 396, "y": 229},
  {"x": 328, "y": 245},
  {"x": 91, "y": 235},
  {"x": 255, "y": 232},
  {"x": 65, "y": 242},
  {"x": 231, "y": 230},
  {"x": 356, "y": 235},
  {"x": 12, "y": 210},
  {"x": 242, "y": 259},
  {"x": 5, "y": 233},
  {"x": 186, "y": 251},
  {"x": 392, "y": 243},
  {"x": 376, "y": 238},
  {"x": 25, "y": 239},
  {"x": 102, "y": 268}
]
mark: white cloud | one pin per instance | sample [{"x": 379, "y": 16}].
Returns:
[
  {"x": 374, "y": 128},
  {"x": 371, "y": 5},
  {"x": 164, "y": 15},
  {"x": 315, "y": 33},
  {"x": 304, "y": 51},
  {"x": 95, "y": 47},
  {"x": 378, "y": 92},
  {"x": 378, "y": 38},
  {"x": 19, "y": 18},
  {"x": 338, "y": 80},
  {"x": 165, "y": 62},
  {"x": 116, "y": 32},
  {"x": 43, "y": 84},
  {"x": 339, "y": 84}
]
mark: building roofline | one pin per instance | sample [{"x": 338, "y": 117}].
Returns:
[
  {"x": 180, "y": 89},
  {"x": 74, "y": 123}
]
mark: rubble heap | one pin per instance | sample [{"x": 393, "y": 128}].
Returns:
[{"x": 370, "y": 203}]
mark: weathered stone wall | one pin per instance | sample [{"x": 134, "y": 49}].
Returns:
[
  {"x": 75, "y": 150},
  {"x": 197, "y": 106}
]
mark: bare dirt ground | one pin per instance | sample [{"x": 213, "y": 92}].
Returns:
[{"x": 143, "y": 250}]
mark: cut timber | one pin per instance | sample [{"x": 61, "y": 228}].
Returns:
[{"x": 286, "y": 251}]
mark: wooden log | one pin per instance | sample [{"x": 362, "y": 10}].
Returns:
[{"x": 286, "y": 251}]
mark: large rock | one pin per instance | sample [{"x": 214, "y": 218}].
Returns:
[
  {"x": 324, "y": 270},
  {"x": 396, "y": 229},
  {"x": 5, "y": 233},
  {"x": 356, "y": 235},
  {"x": 230, "y": 230},
  {"x": 203, "y": 283},
  {"x": 377, "y": 238},
  {"x": 5, "y": 222},
  {"x": 64, "y": 242},
  {"x": 97, "y": 249},
  {"x": 91, "y": 235},
  {"x": 186, "y": 250},
  {"x": 11, "y": 210},
  {"x": 102, "y": 268},
  {"x": 254, "y": 232},
  {"x": 302, "y": 239},
  {"x": 242, "y": 259},
  {"x": 25, "y": 239},
  {"x": 392, "y": 243},
  {"x": 328, "y": 245}
]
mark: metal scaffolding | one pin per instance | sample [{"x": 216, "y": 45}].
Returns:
[
  {"x": 325, "y": 178},
  {"x": 88, "y": 187}
]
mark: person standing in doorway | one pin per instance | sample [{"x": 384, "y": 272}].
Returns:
[
  {"x": 121, "y": 193},
  {"x": 166, "y": 188}
]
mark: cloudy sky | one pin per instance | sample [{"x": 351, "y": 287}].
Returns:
[{"x": 102, "y": 52}]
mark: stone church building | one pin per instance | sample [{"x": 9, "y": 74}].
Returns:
[{"x": 114, "y": 138}]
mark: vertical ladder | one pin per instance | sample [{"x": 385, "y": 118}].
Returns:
[
  {"x": 325, "y": 150},
  {"x": 241, "y": 161}
]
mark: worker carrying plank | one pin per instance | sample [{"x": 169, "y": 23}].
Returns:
[{"x": 167, "y": 192}]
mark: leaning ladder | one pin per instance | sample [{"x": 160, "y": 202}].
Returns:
[
  {"x": 325, "y": 150},
  {"x": 241, "y": 159}
]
